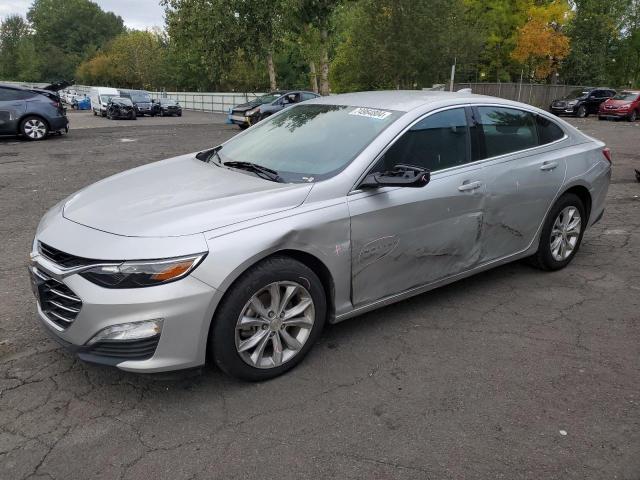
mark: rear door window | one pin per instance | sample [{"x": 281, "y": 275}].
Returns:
[{"x": 506, "y": 130}]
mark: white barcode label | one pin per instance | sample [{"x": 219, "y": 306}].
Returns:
[{"x": 370, "y": 113}]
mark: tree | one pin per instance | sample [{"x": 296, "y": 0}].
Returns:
[
  {"x": 13, "y": 32},
  {"x": 317, "y": 14},
  {"x": 541, "y": 43},
  {"x": 595, "y": 33},
  {"x": 134, "y": 59},
  {"x": 68, "y": 32},
  {"x": 265, "y": 22},
  {"x": 383, "y": 44}
]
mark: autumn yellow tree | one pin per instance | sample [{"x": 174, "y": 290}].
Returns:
[{"x": 540, "y": 42}]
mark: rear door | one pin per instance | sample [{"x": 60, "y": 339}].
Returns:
[
  {"x": 525, "y": 169},
  {"x": 408, "y": 237}
]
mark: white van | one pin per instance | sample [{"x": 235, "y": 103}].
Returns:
[{"x": 100, "y": 97}]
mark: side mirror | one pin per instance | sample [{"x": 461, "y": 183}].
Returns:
[{"x": 401, "y": 176}]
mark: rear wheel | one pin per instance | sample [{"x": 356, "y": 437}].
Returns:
[
  {"x": 268, "y": 320},
  {"x": 34, "y": 128},
  {"x": 562, "y": 233}
]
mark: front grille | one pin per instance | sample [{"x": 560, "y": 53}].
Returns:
[
  {"x": 130, "y": 349},
  {"x": 57, "y": 301},
  {"x": 63, "y": 259},
  {"x": 559, "y": 104}
]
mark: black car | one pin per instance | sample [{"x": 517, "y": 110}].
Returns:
[
  {"x": 252, "y": 112},
  {"x": 582, "y": 102},
  {"x": 32, "y": 112},
  {"x": 121, "y": 107},
  {"x": 141, "y": 101},
  {"x": 167, "y": 107}
]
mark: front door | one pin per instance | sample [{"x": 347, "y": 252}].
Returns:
[{"x": 408, "y": 237}]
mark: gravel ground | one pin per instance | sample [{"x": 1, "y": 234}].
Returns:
[{"x": 510, "y": 374}]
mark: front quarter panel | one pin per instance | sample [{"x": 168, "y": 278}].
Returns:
[{"x": 320, "y": 229}]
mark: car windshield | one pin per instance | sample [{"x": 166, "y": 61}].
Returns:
[
  {"x": 166, "y": 101},
  {"x": 308, "y": 143},
  {"x": 140, "y": 97},
  {"x": 105, "y": 98},
  {"x": 122, "y": 101},
  {"x": 628, "y": 96},
  {"x": 576, "y": 94},
  {"x": 270, "y": 97}
]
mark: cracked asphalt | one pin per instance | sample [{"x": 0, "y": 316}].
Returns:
[{"x": 513, "y": 373}]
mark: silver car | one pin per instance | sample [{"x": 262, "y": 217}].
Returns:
[{"x": 324, "y": 211}]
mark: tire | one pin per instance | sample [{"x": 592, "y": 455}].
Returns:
[
  {"x": 633, "y": 116},
  {"x": 243, "y": 126},
  {"x": 548, "y": 258},
  {"x": 600, "y": 118},
  {"x": 104, "y": 114},
  {"x": 34, "y": 128},
  {"x": 95, "y": 114},
  {"x": 260, "y": 360},
  {"x": 582, "y": 112},
  {"x": 180, "y": 114},
  {"x": 132, "y": 115}
]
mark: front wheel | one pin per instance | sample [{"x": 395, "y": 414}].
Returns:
[
  {"x": 269, "y": 320},
  {"x": 633, "y": 116},
  {"x": 582, "y": 112},
  {"x": 562, "y": 233}
]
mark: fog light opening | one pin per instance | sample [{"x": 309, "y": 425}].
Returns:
[{"x": 124, "y": 332}]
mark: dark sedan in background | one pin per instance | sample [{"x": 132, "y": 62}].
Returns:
[
  {"x": 167, "y": 107},
  {"x": 582, "y": 102},
  {"x": 252, "y": 112},
  {"x": 31, "y": 112}
]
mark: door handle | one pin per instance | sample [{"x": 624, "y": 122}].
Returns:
[
  {"x": 546, "y": 166},
  {"x": 467, "y": 186}
]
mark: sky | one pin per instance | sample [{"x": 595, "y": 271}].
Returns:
[{"x": 139, "y": 14}]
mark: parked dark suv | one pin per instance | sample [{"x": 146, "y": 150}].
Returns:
[
  {"x": 141, "y": 101},
  {"x": 582, "y": 102},
  {"x": 31, "y": 112}
]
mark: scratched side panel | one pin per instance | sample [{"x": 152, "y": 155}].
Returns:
[{"x": 408, "y": 237}]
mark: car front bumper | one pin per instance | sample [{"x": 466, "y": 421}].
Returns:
[
  {"x": 563, "y": 111},
  {"x": 185, "y": 306},
  {"x": 613, "y": 114}
]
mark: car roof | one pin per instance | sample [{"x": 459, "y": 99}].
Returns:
[{"x": 403, "y": 100}]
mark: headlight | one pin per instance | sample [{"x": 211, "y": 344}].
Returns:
[
  {"x": 572, "y": 102},
  {"x": 144, "y": 273},
  {"x": 251, "y": 112}
]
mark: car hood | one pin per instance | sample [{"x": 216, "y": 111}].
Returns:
[
  {"x": 617, "y": 103},
  {"x": 246, "y": 106},
  {"x": 179, "y": 196}
]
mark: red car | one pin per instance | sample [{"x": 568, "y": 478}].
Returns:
[{"x": 624, "y": 105}]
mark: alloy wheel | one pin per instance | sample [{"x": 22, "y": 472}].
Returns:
[
  {"x": 35, "y": 128},
  {"x": 565, "y": 233},
  {"x": 274, "y": 324}
]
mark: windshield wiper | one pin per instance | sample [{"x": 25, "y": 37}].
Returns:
[{"x": 265, "y": 172}]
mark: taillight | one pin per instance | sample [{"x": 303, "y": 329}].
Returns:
[
  {"x": 607, "y": 154},
  {"x": 56, "y": 104}
]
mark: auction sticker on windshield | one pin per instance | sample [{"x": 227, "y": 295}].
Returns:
[{"x": 370, "y": 112}]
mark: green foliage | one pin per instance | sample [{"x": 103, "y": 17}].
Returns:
[
  {"x": 68, "y": 32},
  {"x": 250, "y": 45},
  {"x": 14, "y": 32}
]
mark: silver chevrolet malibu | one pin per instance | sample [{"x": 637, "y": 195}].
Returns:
[{"x": 326, "y": 210}]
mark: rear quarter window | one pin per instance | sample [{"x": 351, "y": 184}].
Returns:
[{"x": 548, "y": 130}]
